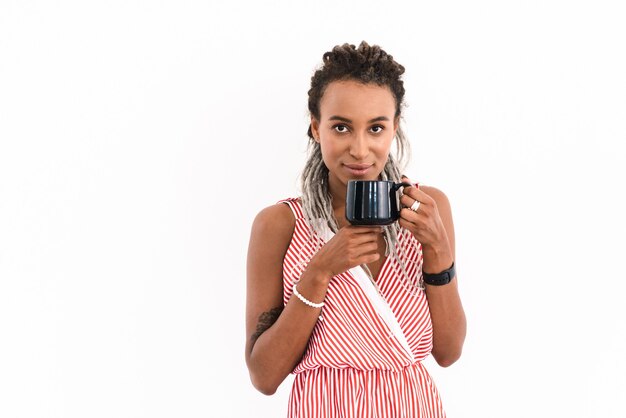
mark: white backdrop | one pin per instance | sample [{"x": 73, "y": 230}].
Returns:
[{"x": 139, "y": 139}]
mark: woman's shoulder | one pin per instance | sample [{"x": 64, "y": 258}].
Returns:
[{"x": 278, "y": 219}]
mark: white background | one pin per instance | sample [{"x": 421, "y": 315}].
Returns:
[{"x": 138, "y": 140}]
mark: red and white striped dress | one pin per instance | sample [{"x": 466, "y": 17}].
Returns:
[{"x": 364, "y": 357}]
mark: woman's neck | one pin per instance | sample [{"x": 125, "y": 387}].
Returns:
[{"x": 337, "y": 191}]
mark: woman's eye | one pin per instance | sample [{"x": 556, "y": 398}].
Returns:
[
  {"x": 344, "y": 129},
  {"x": 341, "y": 128}
]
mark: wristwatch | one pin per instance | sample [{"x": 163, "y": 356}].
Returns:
[{"x": 438, "y": 279}]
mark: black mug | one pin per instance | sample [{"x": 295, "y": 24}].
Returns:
[{"x": 373, "y": 202}]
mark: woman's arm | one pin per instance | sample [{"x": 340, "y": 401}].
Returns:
[
  {"x": 277, "y": 337},
  {"x": 433, "y": 226},
  {"x": 446, "y": 311}
]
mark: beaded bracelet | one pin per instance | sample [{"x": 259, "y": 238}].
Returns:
[{"x": 305, "y": 300}]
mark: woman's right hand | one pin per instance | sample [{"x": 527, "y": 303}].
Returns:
[{"x": 350, "y": 247}]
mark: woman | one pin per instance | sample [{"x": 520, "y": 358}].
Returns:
[{"x": 355, "y": 346}]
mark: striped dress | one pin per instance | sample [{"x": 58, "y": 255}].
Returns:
[{"x": 364, "y": 356}]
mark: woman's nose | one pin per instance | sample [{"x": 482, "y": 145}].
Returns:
[{"x": 359, "y": 147}]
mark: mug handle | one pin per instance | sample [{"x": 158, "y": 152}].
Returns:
[
  {"x": 395, "y": 212},
  {"x": 397, "y": 186}
]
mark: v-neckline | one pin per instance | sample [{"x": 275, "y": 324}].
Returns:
[{"x": 380, "y": 271}]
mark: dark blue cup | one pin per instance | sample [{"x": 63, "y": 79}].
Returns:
[{"x": 373, "y": 202}]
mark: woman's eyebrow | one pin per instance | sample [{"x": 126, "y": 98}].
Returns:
[{"x": 341, "y": 118}]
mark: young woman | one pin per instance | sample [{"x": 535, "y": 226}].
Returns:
[{"x": 355, "y": 345}]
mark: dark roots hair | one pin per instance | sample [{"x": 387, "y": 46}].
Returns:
[{"x": 366, "y": 64}]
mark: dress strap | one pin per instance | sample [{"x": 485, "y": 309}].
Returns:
[{"x": 295, "y": 206}]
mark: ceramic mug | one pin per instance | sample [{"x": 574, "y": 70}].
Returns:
[{"x": 373, "y": 202}]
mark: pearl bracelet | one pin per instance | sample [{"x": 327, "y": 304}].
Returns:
[{"x": 305, "y": 300}]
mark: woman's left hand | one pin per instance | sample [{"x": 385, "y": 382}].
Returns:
[
  {"x": 425, "y": 223},
  {"x": 431, "y": 224}
]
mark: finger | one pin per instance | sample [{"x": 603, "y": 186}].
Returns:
[
  {"x": 419, "y": 195},
  {"x": 413, "y": 192},
  {"x": 405, "y": 224},
  {"x": 359, "y": 229},
  {"x": 413, "y": 221},
  {"x": 364, "y": 238},
  {"x": 425, "y": 199},
  {"x": 373, "y": 232},
  {"x": 410, "y": 222},
  {"x": 365, "y": 233},
  {"x": 368, "y": 248},
  {"x": 408, "y": 200},
  {"x": 406, "y": 213},
  {"x": 405, "y": 179},
  {"x": 409, "y": 215},
  {"x": 370, "y": 258},
  {"x": 356, "y": 255}
]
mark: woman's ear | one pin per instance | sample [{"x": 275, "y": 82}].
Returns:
[
  {"x": 315, "y": 129},
  {"x": 396, "y": 124}
]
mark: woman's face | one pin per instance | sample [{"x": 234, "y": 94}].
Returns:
[{"x": 355, "y": 130}]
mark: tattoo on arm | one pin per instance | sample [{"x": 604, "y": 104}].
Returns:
[{"x": 266, "y": 320}]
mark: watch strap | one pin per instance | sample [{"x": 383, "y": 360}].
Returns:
[{"x": 439, "y": 279}]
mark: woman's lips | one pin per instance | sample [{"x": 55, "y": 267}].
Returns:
[{"x": 357, "y": 169}]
